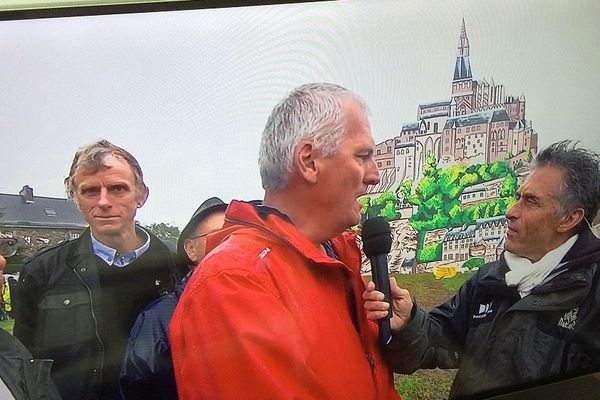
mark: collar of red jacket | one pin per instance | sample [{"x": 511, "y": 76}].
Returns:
[{"x": 273, "y": 224}]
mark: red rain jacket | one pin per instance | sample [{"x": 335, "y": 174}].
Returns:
[{"x": 267, "y": 315}]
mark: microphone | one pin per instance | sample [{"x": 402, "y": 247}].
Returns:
[{"x": 377, "y": 242}]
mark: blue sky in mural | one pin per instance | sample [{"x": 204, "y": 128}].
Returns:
[{"x": 189, "y": 92}]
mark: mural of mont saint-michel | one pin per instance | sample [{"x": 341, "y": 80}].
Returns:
[{"x": 448, "y": 178}]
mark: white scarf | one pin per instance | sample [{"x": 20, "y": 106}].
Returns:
[{"x": 527, "y": 275}]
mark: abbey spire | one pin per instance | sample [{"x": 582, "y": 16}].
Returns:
[{"x": 462, "y": 69}]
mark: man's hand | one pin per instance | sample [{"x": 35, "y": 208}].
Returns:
[{"x": 377, "y": 308}]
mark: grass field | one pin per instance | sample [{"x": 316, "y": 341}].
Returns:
[
  {"x": 7, "y": 325},
  {"x": 428, "y": 384}
]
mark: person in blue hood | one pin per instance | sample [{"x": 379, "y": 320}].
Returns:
[{"x": 147, "y": 371}]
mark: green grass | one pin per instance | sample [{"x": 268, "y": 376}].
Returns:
[
  {"x": 408, "y": 385},
  {"x": 429, "y": 291},
  {"x": 425, "y": 384},
  {"x": 454, "y": 283},
  {"x": 7, "y": 325}
]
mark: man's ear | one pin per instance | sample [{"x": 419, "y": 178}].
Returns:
[
  {"x": 304, "y": 158},
  {"x": 570, "y": 220},
  {"x": 190, "y": 250},
  {"x": 143, "y": 197}
]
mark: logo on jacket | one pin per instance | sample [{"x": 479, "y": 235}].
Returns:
[
  {"x": 484, "y": 310},
  {"x": 264, "y": 253},
  {"x": 569, "y": 320}
]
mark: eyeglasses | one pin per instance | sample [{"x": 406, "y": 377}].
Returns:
[{"x": 199, "y": 236}]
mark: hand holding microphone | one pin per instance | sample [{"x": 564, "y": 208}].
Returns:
[{"x": 377, "y": 242}]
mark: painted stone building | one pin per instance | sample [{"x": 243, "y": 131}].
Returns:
[
  {"x": 484, "y": 239},
  {"x": 478, "y": 124},
  {"x": 463, "y": 157},
  {"x": 489, "y": 190}
]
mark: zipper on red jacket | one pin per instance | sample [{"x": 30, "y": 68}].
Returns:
[
  {"x": 95, "y": 325},
  {"x": 371, "y": 361},
  {"x": 373, "y": 375}
]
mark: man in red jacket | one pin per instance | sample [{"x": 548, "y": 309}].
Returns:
[{"x": 273, "y": 311}]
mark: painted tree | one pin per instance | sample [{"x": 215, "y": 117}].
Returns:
[
  {"x": 509, "y": 185},
  {"x": 529, "y": 156},
  {"x": 474, "y": 262},
  {"x": 386, "y": 204},
  {"x": 437, "y": 197},
  {"x": 388, "y": 211},
  {"x": 403, "y": 192},
  {"x": 365, "y": 201}
]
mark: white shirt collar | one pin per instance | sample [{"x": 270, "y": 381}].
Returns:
[{"x": 112, "y": 257}]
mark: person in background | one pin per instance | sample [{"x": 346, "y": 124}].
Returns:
[
  {"x": 273, "y": 311},
  {"x": 532, "y": 314},
  {"x": 596, "y": 224},
  {"x": 21, "y": 376},
  {"x": 147, "y": 371},
  {"x": 76, "y": 302},
  {"x": 5, "y": 305}
]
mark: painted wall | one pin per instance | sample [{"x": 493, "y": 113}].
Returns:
[{"x": 450, "y": 175}]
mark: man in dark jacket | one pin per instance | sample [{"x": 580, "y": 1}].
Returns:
[
  {"x": 147, "y": 371},
  {"x": 534, "y": 313},
  {"x": 21, "y": 376},
  {"x": 76, "y": 302}
]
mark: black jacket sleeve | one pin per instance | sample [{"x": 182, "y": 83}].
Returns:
[
  {"x": 27, "y": 296},
  {"x": 433, "y": 339}
]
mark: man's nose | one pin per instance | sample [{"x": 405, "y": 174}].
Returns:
[
  {"x": 104, "y": 200},
  {"x": 511, "y": 213},
  {"x": 372, "y": 173}
]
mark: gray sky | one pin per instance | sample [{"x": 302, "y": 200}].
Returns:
[{"x": 189, "y": 92}]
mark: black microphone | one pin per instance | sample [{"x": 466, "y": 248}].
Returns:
[{"x": 377, "y": 242}]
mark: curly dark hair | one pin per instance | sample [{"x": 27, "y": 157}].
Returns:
[{"x": 580, "y": 187}]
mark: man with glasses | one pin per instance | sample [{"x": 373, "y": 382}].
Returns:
[{"x": 147, "y": 371}]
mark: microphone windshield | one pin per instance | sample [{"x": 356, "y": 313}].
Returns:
[{"x": 376, "y": 236}]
